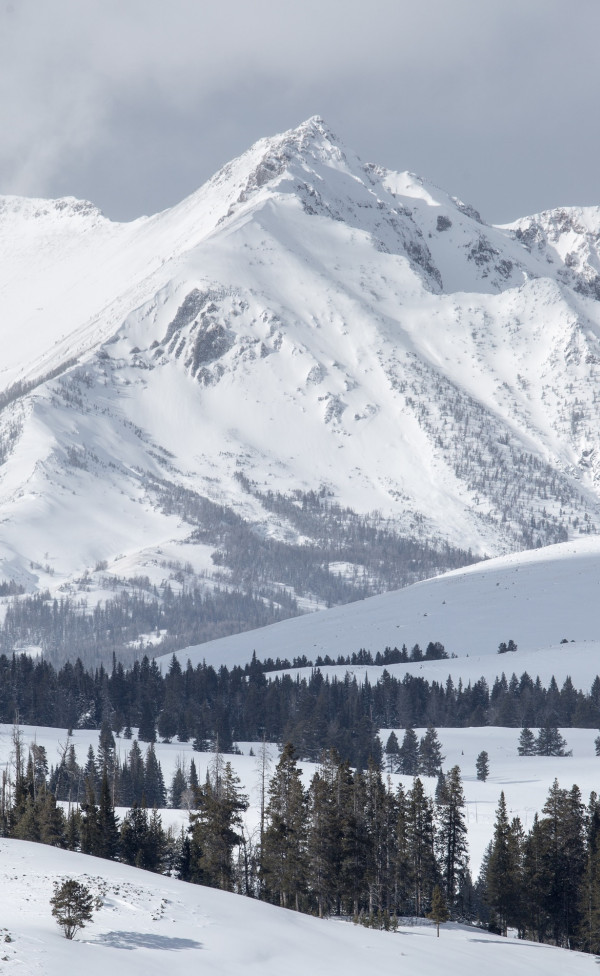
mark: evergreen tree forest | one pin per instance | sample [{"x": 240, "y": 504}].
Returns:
[
  {"x": 349, "y": 842},
  {"x": 313, "y": 711}
]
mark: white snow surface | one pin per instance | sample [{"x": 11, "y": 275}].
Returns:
[
  {"x": 537, "y": 599},
  {"x": 313, "y": 323},
  {"x": 150, "y": 924}
]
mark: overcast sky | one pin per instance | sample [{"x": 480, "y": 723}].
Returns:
[{"x": 134, "y": 103}]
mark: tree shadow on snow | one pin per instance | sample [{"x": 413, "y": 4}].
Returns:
[{"x": 145, "y": 940}]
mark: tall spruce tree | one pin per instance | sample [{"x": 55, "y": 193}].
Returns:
[
  {"x": 107, "y": 843},
  {"x": 283, "y": 859},
  {"x": 408, "y": 756},
  {"x": 420, "y": 830},
  {"x": 504, "y": 881},
  {"x": 216, "y": 827},
  {"x": 561, "y": 849},
  {"x": 550, "y": 742},
  {"x": 430, "y": 753},
  {"x": 452, "y": 835},
  {"x": 588, "y": 935},
  {"x": 527, "y": 746},
  {"x": 154, "y": 784},
  {"x": 323, "y": 838},
  {"x": 482, "y": 766}
]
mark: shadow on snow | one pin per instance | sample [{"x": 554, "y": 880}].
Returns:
[{"x": 145, "y": 940}]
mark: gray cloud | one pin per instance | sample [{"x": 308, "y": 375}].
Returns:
[{"x": 134, "y": 103}]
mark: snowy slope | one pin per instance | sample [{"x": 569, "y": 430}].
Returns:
[
  {"x": 148, "y": 923},
  {"x": 537, "y": 599},
  {"x": 311, "y": 323}
]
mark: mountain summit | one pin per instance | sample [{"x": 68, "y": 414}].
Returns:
[{"x": 309, "y": 349}]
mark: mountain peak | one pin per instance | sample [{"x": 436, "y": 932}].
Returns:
[{"x": 312, "y": 142}]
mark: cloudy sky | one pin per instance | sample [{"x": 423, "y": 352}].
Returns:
[{"x": 134, "y": 103}]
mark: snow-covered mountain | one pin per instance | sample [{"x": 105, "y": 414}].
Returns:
[{"x": 305, "y": 330}]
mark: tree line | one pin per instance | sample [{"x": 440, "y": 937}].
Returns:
[
  {"x": 349, "y": 843},
  {"x": 546, "y": 883},
  {"x": 346, "y": 844},
  {"x": 316, "y": 712}
]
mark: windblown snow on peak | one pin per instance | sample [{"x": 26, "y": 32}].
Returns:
[{"x": 341, "y": 361}]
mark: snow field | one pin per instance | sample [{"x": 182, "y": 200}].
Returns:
[{"x": 149, "y": 923}]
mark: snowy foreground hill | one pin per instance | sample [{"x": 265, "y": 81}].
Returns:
[
  {"x": 150, "y": 924},
  {"x": 304, "y": 325}
]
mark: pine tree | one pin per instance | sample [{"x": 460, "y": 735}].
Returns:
[
  {"x": 421, "y": 840},
  {"x": 589, "y": 894},
  {"x": 147, "y": 728},
  {"x": 353, "y": 854},
  {"x": 503, "y": 877},
  {"x": 377, "y": 819},
  {"x": 482, "y": 766},
  {"x": 408, "y": 757},
  {"x": 90, "y": 770},
  {"x": 154, "y": 784},
  {"x": 562, "y": 834},
  {"x": 283, "y": 859},
  {"x": 392, "y": 749},
  {"x": 526, "y": 745},
  {"x": 108, "y": 831},
  {"x": 402, "y": 865},
  {"x": 452, "y": 834},
  {"x": 550, "y": 742},
  {"x": 439, "y": 910},
  {"x": 430, "y": 753},
  {"x": 136, "y": 775},
  {"x": 216, "y": 827},
  {"x": 134, "y": 836},
  {"x": 323, "y": 839},
  {"x": 89, "y": 827},
  {"x": 535, "y": 881},
  {"x": 178, "y": 786},
  {"x": 72, "y": 906},
  {"x": 106, "y": 751},
  {"x": 52, "y": 824},
  {"x": 168, "y": 719}
]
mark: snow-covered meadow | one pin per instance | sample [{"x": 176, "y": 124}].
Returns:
[{"x": 524, "y": 780}]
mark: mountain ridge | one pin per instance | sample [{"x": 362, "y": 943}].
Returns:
[{"x": 329, "y": 330}]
